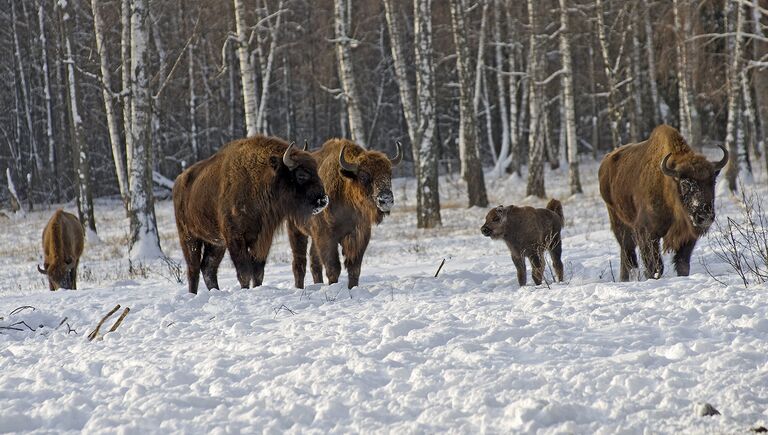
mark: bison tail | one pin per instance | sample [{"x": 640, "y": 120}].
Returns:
[{"x": 557, "y": 207}]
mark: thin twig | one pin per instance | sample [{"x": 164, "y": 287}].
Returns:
[
  {"x": 119, "y": 319},
  {"x": 22, "y": 308},
  {"x": 440, "y": 267},
  {"x": 95, "y": 332}
]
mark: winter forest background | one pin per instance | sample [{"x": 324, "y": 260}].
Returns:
[{"x": 116, "y": 98}]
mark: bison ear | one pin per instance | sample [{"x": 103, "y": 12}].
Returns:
[
  {"x": 349, "y": 174},
  {"x": 274, "y": 162}
]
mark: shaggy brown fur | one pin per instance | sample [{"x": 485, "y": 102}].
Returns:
[
  {"x": 236, "y": 199},
  {"x": 63, "y": 240},
  {"x": 645, "y": 204},
  {"x": 528, "y": 232},
  {"x": 357, "y": 202}
]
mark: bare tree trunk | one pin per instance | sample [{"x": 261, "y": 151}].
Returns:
[
  {"x": 760, "y": 82},
  {"x": 659, "y": 107},
  {"x": 109, "y": 108},
  {"x": 79, "y": 145},
  {"x": 266, "y": 73},
  {"x": 125, "y": 56},
  {"x": 593, "y": 104},
  {"x": 352, "y": 95},
  {"x": 748, "y": 127},
  {"x": 471, "y": 167},
  {"x": 514, "y": 160},
  {"x": 247, "y": 71},
  {"x": 144, "y": 239},
  {"x": 501, "y": 86},
  {"x": 734, "y": 87},
  {"x": 47, "y": 88},
  {"x": 614, "y": 111},
  {"x": 682, "y": 74},
  {"x": 568, "y": 101},
  {"x": 192, "y": 102},
  {"x": 535, "y": 186},
  {"x": 637, "y": 126}
]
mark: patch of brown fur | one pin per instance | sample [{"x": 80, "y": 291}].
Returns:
[
  {"x": 234, "y": 195},
  {"x": 350, "y": 214},
  {"x": 528, "y": 232},
  {"x": 63, "y": 241}
]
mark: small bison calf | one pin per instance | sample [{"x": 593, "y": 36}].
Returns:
[
  {"x": 528, "y": 231},
  {"x": 63, "y": 239}
]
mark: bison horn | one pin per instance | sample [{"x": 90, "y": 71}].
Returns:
[
  {"x": 41, "y": 270},
  {"x": 398, "y": 156},
  {"x": 721, "y": 164},
  {"x": 665, "y": 169},
  {"x": 345, "y": 165},
  {"x": 306, "y": 145},
  {"x": 287, "y": 160}
]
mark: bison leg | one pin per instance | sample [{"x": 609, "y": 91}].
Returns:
[
  {"x": 257, "y": 268},
  {"x": 73, "y": 275},
  {"x": 238, "y": 251},
  {"x": 299, "y": 248},
  {"x": 556, "y": 251},
  {"x": 519, "y": 262},
  {"x": 651, "y": 255},
  {"x": 315, "y": 264},
  {"x": 627, "y": 246},
  {"x": 329, "y": 255},
  {"x": 190, "y": 247},
  {"x": 212, "y": 256},
  {"x": 353, "y": 250},
  {"x": 682, "y": 258},
  {"x": 537, "y": 267}
]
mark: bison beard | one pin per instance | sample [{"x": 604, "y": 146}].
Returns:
[
  {"x": 236, "y": 199},
  {"x": 359, "y": 184},
  {"x": 658, "y": 189},
  {"x": 63, "y": 240}
]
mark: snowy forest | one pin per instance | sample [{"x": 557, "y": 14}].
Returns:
[{"x": 116, "y": 98}]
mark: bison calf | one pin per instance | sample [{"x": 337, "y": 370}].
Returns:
[
  {"x": 63, "y": 240},
  {"x": 528, "y": 232}
]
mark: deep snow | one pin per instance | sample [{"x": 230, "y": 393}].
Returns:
[{"x": 469, "y": 351}]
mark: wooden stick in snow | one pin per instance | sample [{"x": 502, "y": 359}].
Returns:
[
  {"x": 120, "y": 319},
  {"x": 95, "y": 332}
]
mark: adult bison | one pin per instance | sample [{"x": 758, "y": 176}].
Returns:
[
  {"x": 63, "y": 240},
  {"x": 236, "y": 199},
  {"x": 359, "y": 184},
  {"x": 658, "y": 189}
]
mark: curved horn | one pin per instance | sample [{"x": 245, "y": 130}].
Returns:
[
  {"x": 665, "y": 169},
  {"x": 41, "y": 270},
  {"x": 306, "y": 145},
  {"x": 721, "y": 164},
  {"x": 287, "y": 160},
  {"x": 351, "y": 167},
  {"x": 398, "y": 156}
]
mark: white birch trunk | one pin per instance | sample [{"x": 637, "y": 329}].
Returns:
[
  {"x": 352, "y": 95},
  {"x": 659, "y": 107},
  {"x": 125, "y": 57},
  {"x": 266, "y": 73},
  {"x": 568, "y": 101},
  {"x": 144, "y": 241},
  {"x": 734, "y": 86},
  {"x": 501, "y": 85},
  {"x": 614, "y": 112},
  {"x": 247, "y": 70},
  {"x": 47, "y": 89},
  {"x": 109, "y": 107},
  {"x": 535, "y": 185},
  {"x": 682, "y": 76},
  {"x": 192, "y": 103}
]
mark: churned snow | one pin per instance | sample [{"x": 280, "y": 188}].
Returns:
[{"x": 469, "y": 351}]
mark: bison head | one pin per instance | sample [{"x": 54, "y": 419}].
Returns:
[
  {"x": 297, "y": 174},
  {"x": 695, "y": 179},
  {"x": 59, "y": 272},
  {"x": 494, "y": 223},
  {"x": 372, "y": 172}
]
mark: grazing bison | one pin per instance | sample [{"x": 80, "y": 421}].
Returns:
[
  {"x": 359, "y": 184},
  {"x": 528, "y": 232},
  {"x": 63, "y": 240},
  {"x": 236, "y": 199},
  {"x": 658, "y": 189}
]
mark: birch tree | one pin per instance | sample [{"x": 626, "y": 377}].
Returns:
[
  {"x": 611, "y": 72},
  {"x": 734, "y": 89},
  {"x": 568, "y": 101},
  {"x": 760, "y": 79},
  {"x": 418, "y": 106},
  {"x": 342, "y": 24},
  {"x": 503, "y": 157},
  {"x": 683, "y": 87},
  {"x": 46, "y": 87},
  {"x": 247, "y": 70},
  {"x": 659, "y": 107},
  {"x": 108, "y": 97},
  {"x": 471, "y": 167},
  {"x": 535, "y": 186},
  {"x": 144, "y": 241}
]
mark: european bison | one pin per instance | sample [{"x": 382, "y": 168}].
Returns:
[
  {"x": 658, "y": 189},
  {"x": 236, "y": 199},
  {"x": 528, "y": 232},
  {"x": 359, "y": 184},
  {"x": 63, "y": 240}
]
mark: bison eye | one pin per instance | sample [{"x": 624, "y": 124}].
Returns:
[
  {"x": 495, "y": 219},
  {"x": 301, "y": 176},
  {"x": 364, "y": 177}
]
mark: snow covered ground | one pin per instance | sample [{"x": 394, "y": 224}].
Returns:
[{"x": 469, "y": 351}]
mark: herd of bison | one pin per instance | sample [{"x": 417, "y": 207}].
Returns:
[{"x": 237, "y": 198}]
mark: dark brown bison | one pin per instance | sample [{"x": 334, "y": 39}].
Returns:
[
  {"x": 359, "y": 184},
  {"x": 236, "y": 199},
  {"x": 63, "y": 240},
  {"x": 528, "y": 232},
  {"x": 658, "y": 189}
]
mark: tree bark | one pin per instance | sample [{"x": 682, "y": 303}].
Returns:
[
  {"x": 684, "y": 96},
  {"x": 471, "y": 167},
  {"x": 247, "y": 71},
  {"x": 352, "y": 95},
  {"x": 501, "y": 85},
  {"x": 47, "y": 89},
  {"x": 144, "y": 241},
  {"x": 535, "y": 186},
  {"x": 734, "y": 89},
  {"x": 614, "y": 111},
  {"x": 760, "y": 82},
  {"x": 568, "y": 101},
  {"x": 659, "y": 107}
]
